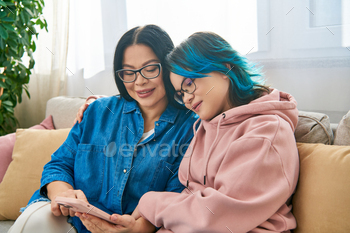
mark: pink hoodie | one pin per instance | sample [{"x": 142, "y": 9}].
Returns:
[{"x": 242, "y": 172}]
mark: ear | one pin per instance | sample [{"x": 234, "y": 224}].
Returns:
[{"x": 229, "y": 67}]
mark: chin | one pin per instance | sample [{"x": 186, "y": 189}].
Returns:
[{"x": 204, "y": 117}]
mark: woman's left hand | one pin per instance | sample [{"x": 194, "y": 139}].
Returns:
[{"x": 124, "y": 223}]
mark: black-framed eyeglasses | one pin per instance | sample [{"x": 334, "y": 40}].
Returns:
[
  {"x": 149, "y": 72},
  {"x": 187, "y": 86}
]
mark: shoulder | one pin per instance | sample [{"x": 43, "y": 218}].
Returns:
[
  {"x": 110, "y": 100},
  {"x": 264, "y": 127},
  {"x": 105, "y": 105}
]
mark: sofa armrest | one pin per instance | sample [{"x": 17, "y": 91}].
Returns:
[{"x": 63, "y": 110}]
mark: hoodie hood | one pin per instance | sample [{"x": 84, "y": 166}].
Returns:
[{"x": 276, "y": 103}]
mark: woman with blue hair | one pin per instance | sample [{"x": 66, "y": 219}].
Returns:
[{"x": 243, "y": 165}]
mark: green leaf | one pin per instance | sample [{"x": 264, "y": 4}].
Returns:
[
  {"x": 32, "y": 30},
  {"x": 38, "y": 22},
  {"x": 13, "y": 35},
  {"x": 3, "y": 76},
  {"x": 33, "y": 47},
  {"x": 31, "y": 15},
  {"x": 26, "y": 79},
  {"x": 2, "y": 3},
  {"x": 3, "y": 85},
  {"x": 23, "y": 20},
  {"x": 1, "y": 118},
  {"x": 23, "y": 67},
  {"x": 20, "y": 52},
  {"x": 3, "y": 33},
  {"x": 19, "y": 98},
  {"x": 27, "y": 92},
  {"x": 2, "y": 44},
  {"x": 8, "y": 108},
  {"x": 12, "y": 44},
  {"x": 4, "y": 96},
  {"x": 46, "y": 25},
  {"x": 8, "y": 27},
  {"x": 2, "y": 14},
  {"x": 7, "y": 63},
  {"x": 31, "y": 63},
  {"x": 8, "y": 19},
  {"x": 26, "y": 16},
  {"x": 7, "y": 103}
]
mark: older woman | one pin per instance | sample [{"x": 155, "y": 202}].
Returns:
[{"x": 125, "y": 146}]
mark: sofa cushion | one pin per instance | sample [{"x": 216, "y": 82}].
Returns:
[
  {"x": 342, "y": 136},
  {"x": 313, "y": 127},
  {"x": 7, "y": 143},
  {"x": 321, "y": 202},
  {"x": 33, "y": 149},
  {"x": 63, "y": 110}
]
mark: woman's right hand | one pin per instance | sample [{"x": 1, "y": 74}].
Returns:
[
  {"x": 79, "y": 116},
  {"x": 58, "y": 210}
]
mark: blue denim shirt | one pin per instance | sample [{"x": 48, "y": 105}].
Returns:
[{"x": 102, "y": 155}]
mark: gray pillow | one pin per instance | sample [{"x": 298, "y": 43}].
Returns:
[
  {"x": 313, "y": 127},
  {"x": 342, "y": 135}
]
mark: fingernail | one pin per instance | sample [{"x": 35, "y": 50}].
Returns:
[
  {"x": 114, "y": 218},
  {"x": 78, "y": 215}
]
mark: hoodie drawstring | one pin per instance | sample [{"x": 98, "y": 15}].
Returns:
[
  {"x": 209, "y": 152},
  {"x": 194, "y": 143},
  {"x": 211, "y": 148}
]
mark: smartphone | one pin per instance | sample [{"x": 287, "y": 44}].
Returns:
[{"x": 81, "y": 206}]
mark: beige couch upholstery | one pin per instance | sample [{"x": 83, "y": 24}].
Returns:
[{"x": 63, "y": 110}]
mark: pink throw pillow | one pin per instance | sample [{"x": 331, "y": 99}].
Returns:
[{"x": 7, "y": 143}]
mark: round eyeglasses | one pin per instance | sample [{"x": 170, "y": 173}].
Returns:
[
  {"x": 148, "y": 72},
  {"x": 187, "y": 86}
]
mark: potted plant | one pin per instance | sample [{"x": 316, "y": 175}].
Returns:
[{"x": 17, "y": 31}]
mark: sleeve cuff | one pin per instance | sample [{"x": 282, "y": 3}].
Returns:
[{"x": 147, "y": 208}]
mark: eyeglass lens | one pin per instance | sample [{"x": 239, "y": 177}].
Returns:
[{"x": 150, "y": 71}]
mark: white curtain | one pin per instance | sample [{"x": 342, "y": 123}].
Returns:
[
  {"x": 95, "y": 28},
  {"x": 49, "y": 76},
  {"x": 75, "y": 57}
]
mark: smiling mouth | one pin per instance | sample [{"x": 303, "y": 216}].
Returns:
[
  {"x": 144, "y": 92},
  {"x": 196, "y": 105}
]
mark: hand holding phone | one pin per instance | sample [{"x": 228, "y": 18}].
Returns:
[{"x": 81, "y": 206}]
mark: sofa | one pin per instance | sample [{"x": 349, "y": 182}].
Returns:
[{"x": 321, "y": 202}]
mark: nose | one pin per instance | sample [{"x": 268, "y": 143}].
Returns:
[
  {"x": 187, "y": 99},
  {"x": 140, "y": 80}
]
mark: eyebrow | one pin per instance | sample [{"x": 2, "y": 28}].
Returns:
[{"x": 145, "y": 63}]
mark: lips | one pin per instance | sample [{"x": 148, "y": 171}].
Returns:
[
  {"x": 197, "y": 105},
  {"x": 145, "y": 92}
]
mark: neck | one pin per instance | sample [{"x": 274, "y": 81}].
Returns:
[{"x": 152, "y": 114}]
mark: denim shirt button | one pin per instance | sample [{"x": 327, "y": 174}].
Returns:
[
  {"x": 154, "y": 140},
  {"x": 124, "y": 170},
  {"x": 157, "y": 124}
]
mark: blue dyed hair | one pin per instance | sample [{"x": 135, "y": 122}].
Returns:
[{"x": 206, "y": 52}]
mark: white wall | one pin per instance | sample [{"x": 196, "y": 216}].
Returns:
[{"x": 317, "y": 89}]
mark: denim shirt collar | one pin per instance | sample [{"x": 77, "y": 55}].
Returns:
[{"x": 169, "y": 115}]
